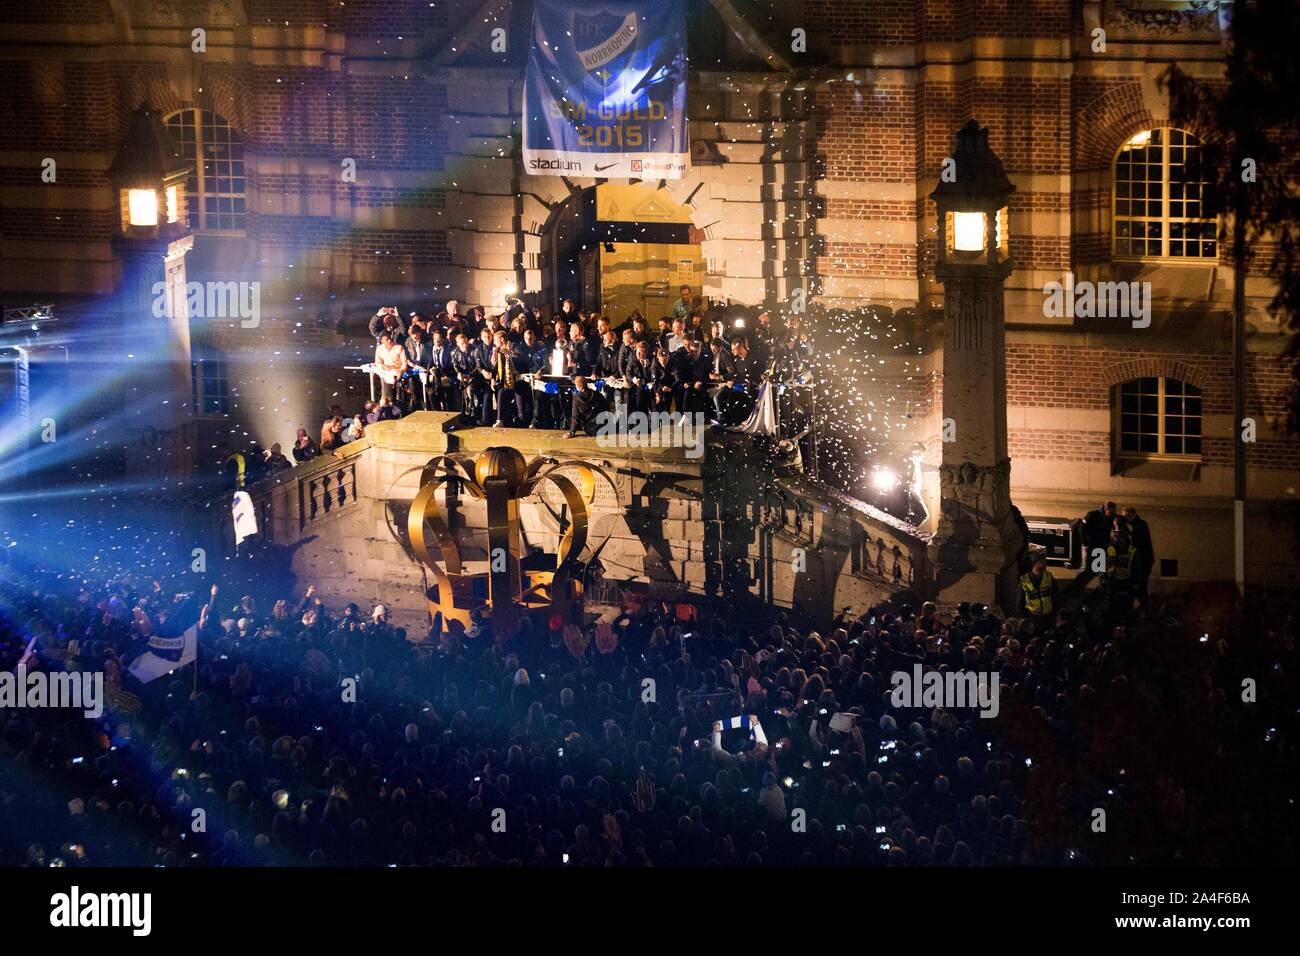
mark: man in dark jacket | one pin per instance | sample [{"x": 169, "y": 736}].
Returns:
[
  {"x": 607, "y": 359},
  {"x": 585, "y": 408},
  {"x": 1097, "y": 527},
  {"x": 692, "y": 367},
  {"x": 419, "y": 355},
  {"x": 442, "y": 375},
  {"x": 1140, "y": 533},
  {"x": 639, "y": 372}
]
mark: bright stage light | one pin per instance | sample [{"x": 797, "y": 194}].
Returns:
[{"x": 883, "y": 480}]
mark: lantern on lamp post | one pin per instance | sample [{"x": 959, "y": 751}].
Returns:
[
  {"x": 977, "y": 538},
  {"x": 148, "y": 176},
  {"x": 972, "y": 208}
]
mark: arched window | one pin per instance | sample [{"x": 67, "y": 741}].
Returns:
[
  {"x": 1159, "y": 417},
  {"x": 1158, "y": 193},
  {"x": 215, "y": 187}
]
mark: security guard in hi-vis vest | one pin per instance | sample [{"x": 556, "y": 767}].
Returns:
[
  {"x": 1121, "y": 559},
  {"x": 1038, "y": 591},
  {"x": 233, "y": 471}
]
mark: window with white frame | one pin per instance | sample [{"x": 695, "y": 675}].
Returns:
[
  {"x": 210, "y": 381},
  {"x": 1159, "y": 417},
  {"x": 215, "y": 190},
  {"x": 1158, "y": 201}
]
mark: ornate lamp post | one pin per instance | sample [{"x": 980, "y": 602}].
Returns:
[
  {"x": 148, "y": 176},
  {"x": 977, "y": 538}
]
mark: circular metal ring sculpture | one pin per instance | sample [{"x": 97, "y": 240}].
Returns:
[{"x": 500, "y": 477}]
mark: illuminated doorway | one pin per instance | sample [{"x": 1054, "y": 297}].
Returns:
[{"x": 625, "y": 248}]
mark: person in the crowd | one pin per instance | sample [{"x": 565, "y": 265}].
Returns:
[
  {"x": 1098, "y": 527},
  {"x": 508, "y": 366},
  {"x": 443, "y": 393},
  {"x": 456, "y": 319},
  {"x": 354, "y": 427},
  {"x": 464, "y": 360},
  {"x": 793, "y": 352},
  {"x": 387, "y": 320},
  {"x": 1038, "y": 592},
  {"x": 586, "y": 404},
  {"x": 676, "y": 339},
  {"x": 665, "y": 387},
  {"x": 276, "y": 461},
  {"x": 607, "y": 358},
  {"x": 1121, "y": 562},
  {"x": 390, "y": 365},
  {"x": 639, "y": 374},
  {"x": 304, "y": 447},
  {"x": 695, "y": 327},
  {"x": 419, "y": 359},
  {"x": 692, "y": 375},
  {"x": 331, "y": 433},
  {"x": 1140, "y": 534},
  {"x": 682, "y": 307},
  {"x": 484, "y": 371},
  {"x": 736, "y": 397}
]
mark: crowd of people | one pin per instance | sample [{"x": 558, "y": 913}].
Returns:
[
  {"x": 494, "y": 365},
  {"x": 1116, "y": 547},
  {"x": 511, "y": 367},
  {"x": 310, "y": 733}
]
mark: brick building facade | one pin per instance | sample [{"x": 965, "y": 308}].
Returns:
[{"x": 818, "y": 130}]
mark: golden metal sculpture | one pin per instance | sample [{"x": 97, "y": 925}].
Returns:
[{"x": 500, "y": 477}]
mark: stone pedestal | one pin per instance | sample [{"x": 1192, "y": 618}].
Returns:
[{"x": 977, "y": 539}]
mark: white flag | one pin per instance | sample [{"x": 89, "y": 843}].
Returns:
[
  {"x": 763, "y": 419},
  {"x": 245, "y": 516},
  {"x": 165, "y": 655}
]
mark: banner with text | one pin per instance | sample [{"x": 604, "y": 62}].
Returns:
[{"x": 605, "y": 93}]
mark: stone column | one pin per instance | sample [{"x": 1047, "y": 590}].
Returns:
[{"x": 977, "y": 538}]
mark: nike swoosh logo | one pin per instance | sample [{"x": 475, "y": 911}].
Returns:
[{"x": 606, "y": 166}]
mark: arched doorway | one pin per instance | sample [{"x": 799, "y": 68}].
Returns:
[{"x": 624, "y": 247}]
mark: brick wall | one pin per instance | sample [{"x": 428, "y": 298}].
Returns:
[
  {"x": 867, "y": 132},
  {"x": 883, "y": 23},
  {"x": 1068, "y": 376}
]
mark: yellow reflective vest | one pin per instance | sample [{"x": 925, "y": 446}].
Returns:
[
  {"x": 238, "y": 459},
  {"x": 1038, "y": 596}
]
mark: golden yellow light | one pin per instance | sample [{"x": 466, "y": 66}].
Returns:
[
  {"x": 173, "y": 204},
  {"x": 968, "y": 231},
  {"x": 142, "y": 207}
]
